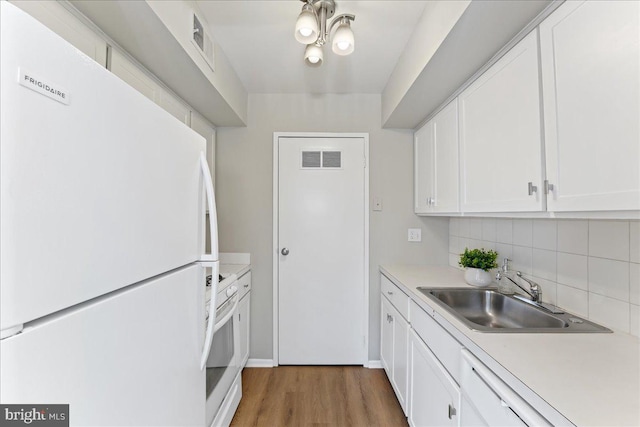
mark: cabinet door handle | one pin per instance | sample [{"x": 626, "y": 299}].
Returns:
[
  {"x": 389, "y": 293},
  {"x": 452, "y": 412},
  {"x": 532, "y": 188},
  {"x": 246, "y": 286},
  {"x": 547, "y": 187}
]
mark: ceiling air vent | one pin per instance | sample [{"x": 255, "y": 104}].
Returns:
[{"x": 202, "y": 41}]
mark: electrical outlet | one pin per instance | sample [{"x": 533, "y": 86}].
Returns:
[{"x": 415, "y": 234}]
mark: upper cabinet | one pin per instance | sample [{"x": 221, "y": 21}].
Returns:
[
  {"x": 500, "y": 135},
  {"x": 590, "y": 53},
  {"x": 436, "y": 163}
]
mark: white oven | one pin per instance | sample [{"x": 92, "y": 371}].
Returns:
[{"x": 223, "y": 363}]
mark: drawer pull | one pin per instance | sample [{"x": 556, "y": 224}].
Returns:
[
  {"x": 389, "y": 293},
  {"x": 246, "y": 286}
]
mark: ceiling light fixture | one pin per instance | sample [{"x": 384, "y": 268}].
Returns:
[{"x": 312, "y": 30}]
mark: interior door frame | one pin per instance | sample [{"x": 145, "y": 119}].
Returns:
[{"x": 276, "y": 231}]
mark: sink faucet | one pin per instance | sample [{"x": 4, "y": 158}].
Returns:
[{"x": 534, "y": 289}]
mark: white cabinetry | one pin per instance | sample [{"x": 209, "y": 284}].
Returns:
[
  {"x": 590, "y": 53},
  {"x": 394, "y": 344},
  {"x": 435, "y": 397},
  {"x": 61, "y": 21},
  {"x": 436, "y": 163},
  {"x": 500, "y": 135},
  {"x": 244, "y": 317}
]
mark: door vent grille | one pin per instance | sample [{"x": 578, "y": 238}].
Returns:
[
  {"x": 321, "y": 159},
  {"x": 331, "y": 159},
  {"x": 311, "y": 159}
]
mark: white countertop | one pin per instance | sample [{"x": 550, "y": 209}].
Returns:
[{"x": 591, "y": 379}]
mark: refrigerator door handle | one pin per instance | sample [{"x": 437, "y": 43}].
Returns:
[
  {"x": 211, "y": 326},
  {"x": 211, "y": 205}
]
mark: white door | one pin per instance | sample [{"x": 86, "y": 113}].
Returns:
[
  {"x": 321, "y": 225},
  {"x": 130, "y": 358}
]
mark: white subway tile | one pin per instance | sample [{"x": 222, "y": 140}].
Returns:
[
  {"x": 504, "y": 230},
  {"x": 474, "y": 244},
  {"x": 610, "y": 278},
  {"x": 545, "y": 234},
  {"x": 453, "y": 260},
  {"x": 634, "y": 241},
  {"x": 634, "y": 323},
  {"x": 475, "y": 228},
  {"x": 489, "y": 245},
  {"x": 489, "y": 229},
  {"x": 522, "y": 259},
  {"x": 463, "y": 243},
  {"x": 504, "y": 251},
  {"x": 454, "y": 227},
  {"x": 634, "y": 283},
  {"x": 464, "y": 227},
  {"x": 454, "y": 245},
  {"x": 523, "y": 232},
  {"x": 572, "y": 270},
  {"x": 573, "y": 300},
  {"x": 573, "y": 236},
  {"x": 609, "y": 239},
  {"x": 609, "y": 312},
  {"x": 544, "y": 264}
]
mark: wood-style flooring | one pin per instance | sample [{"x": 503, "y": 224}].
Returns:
[{"x": 317, "y": 396}]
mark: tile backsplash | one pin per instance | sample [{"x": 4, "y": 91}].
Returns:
[{"x": 588, "y": 267}]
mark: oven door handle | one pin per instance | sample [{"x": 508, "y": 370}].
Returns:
[
  {"x": 208, "y": 335},
  {"x": 227, "y": 316}
]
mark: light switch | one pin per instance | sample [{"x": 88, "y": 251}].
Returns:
[
  {"x": 377, "y": 203},
  {"x": 415, "y": 234}
]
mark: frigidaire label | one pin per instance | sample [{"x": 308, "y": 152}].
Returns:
[{"x": 43, "y": 87}]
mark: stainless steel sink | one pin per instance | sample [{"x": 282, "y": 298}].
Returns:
[{"x": 486, "y": 310}]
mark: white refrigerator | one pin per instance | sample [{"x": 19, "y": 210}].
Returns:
[{"x": 102, "y": 221}]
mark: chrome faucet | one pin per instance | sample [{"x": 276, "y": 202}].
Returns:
[{"x": 534, "y": 289}]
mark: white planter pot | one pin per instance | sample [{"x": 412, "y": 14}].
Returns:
[{"x": 477, "y": 277}]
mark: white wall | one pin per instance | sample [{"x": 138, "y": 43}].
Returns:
[
  {"x": 588, "y": 267},
  {"x": 244, "y": 173}
]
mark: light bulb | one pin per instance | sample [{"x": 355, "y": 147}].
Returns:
[
  {"x": 343, "y": 40},
  {"x": 306, "y": 26},
  {"x": 313, "y": 55},
  {"x": 305, "y": 32},
  {"x": 343, "y": 45}
]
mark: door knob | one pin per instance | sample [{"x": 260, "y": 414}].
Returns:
[{"x": 284, "y": 251}]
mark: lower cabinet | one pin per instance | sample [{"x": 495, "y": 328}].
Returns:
[
  {"x": 244, "y": 309},
  {"x": 244, "y": 317},
  {"x": 434, "y": 395},
  {"x": 394, "y": 347}
]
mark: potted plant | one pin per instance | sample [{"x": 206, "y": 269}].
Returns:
[{"x": 477, "y": 263}]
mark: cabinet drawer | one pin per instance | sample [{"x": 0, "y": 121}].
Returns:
[
  {"x": 244, "y": 284},
  {"x": 443, "y": 345},
  {"x": 398, "y": 298}
]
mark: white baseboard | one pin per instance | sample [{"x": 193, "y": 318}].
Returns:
[
  {"x": 374, "y": 364},
  {"x": 259, "y": 363}
]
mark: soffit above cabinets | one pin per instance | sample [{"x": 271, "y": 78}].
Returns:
[
  {"x": 150, "y": 32},
  {"x": 481, "y": 32}
]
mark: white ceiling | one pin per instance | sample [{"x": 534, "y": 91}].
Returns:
[{"x": 257, "y": 38}]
